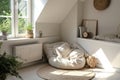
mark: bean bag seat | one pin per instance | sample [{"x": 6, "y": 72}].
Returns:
[{"x": 63, "y": 55}]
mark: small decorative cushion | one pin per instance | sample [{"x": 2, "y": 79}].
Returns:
[{"x": 91, "y": 61}]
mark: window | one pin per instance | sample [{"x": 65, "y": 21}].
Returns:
[
  {"x": 5, "y": 13},
  {"x": 17, "y": 13}
]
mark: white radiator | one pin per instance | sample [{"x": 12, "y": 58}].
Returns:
[{"x": 28, "y": 53}]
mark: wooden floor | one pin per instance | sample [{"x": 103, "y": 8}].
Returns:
[{"x": 30, "y": 73}]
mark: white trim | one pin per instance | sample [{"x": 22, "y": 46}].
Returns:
[
  {"x": 29, "y": 11},
  {"x": 14, "y": 17},
  {"x": 28, "y": 17},
  {"x": 5, "y": 16}
]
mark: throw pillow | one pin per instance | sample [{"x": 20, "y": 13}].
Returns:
[{"x": 91, "y": 61}]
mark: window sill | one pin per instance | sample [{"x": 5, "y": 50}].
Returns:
[{"x": 18, "y": 39}]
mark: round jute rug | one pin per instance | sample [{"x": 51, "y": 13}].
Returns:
[{"x": 50, "y": 73}]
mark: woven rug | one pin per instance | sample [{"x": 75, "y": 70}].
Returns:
[{"x": 50, "y": 73}]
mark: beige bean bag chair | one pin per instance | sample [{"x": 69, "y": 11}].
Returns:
[{"x": 62, "y": 55}]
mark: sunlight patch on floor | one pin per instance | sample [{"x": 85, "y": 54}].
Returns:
[
  {"x": 100, "y": 55},
  {"x": 104, "y": 75},
  {"x": 72, "y": 73}
]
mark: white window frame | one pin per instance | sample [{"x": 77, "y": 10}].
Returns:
[
  {"x": 14, "y": 17},
  {"x": 29, "y": 16}
]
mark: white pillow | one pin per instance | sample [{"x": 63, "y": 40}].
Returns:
[{"x": 63, "y": 50}]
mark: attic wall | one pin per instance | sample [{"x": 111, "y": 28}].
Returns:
[
  {"x": 48, "y": 29},
  {"x": 37, "y": 7},
  {"x": 52, "y": 15},
  {"x": 55, "y": 11},
  {"x": 70, "y": 24},
  {"x": 107, "y": 52},
  {"x": 108, "y": 19}
]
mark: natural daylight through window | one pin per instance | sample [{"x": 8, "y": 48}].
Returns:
[{"x": 15, "y": 14}]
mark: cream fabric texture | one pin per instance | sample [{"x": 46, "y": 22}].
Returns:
[
  {"x": 63, "y": 50},
  {"x": 61, "y": 55},
  {"x": 92, "y": 61}
]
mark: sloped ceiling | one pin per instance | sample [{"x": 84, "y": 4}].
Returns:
[{"x": 55, "y": 11}]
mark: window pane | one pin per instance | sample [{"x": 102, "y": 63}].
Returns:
[
  {"x": 6, "y": 24},
  {"x": 22, "y": 13},
  {"x": 22, "y": 8},
  {"x": 5, "y": 15},
  {"x": 5, "y": 8},
  {"x": 21, "y": 25}
]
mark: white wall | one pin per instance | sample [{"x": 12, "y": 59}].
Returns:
[
  {"x": 108, "y": 19},
  {"x": 108, "y": 50},
  {"x": 69, "y": 26},
  {"x": 37, "y": 7},
  {"x": 79, "y": 15},
  {"x": 51, "y": 16},
  {"x": 55, "y": 11},
  {"x": 48, "y": 29},
  {"x": 80, "y": 11}
]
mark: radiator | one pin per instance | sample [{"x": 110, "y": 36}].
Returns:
[{"x": 28, "y": 53}]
